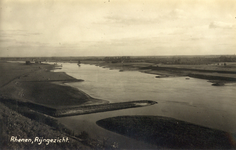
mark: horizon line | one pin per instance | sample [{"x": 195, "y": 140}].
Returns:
[{"x": 122, "y": 55}]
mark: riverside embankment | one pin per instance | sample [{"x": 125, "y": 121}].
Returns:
[
  {"x": 36, "y": 87},
  {"x": 22, "y": 123},
  {"x": 28, "y": 94}
]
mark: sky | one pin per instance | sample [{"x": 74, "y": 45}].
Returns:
[{"x": 36, "y": 28}]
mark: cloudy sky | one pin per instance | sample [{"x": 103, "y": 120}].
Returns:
[{"x": 117, "y": 27}]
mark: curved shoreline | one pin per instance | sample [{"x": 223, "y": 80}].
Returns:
[
  {"x": 46, "y": 92},
  {"x": 37, "y": 84}
]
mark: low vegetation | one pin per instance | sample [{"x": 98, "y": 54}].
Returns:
[{"x": 168, "y": 133}]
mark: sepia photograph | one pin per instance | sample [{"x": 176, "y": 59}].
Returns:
[{"x": 117, "y": 74}]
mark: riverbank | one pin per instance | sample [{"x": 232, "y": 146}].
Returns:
[
  {"x": 36, "y": 87},
  {"x": 36, "y": 83},
  {"x": 32, "y": 93}
]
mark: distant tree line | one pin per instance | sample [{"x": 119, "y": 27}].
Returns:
[
  {"x": 117, "y": 59},
  {"x": 191, "y": 60}
]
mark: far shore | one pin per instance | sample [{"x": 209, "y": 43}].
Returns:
[{"x": 215, "y": 74}]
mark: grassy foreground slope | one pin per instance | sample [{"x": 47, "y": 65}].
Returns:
[
  {"x": 14, "y": 124},
  {"x": 36, "y": 84}
]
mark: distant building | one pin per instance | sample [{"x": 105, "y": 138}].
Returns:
[
  {"x": 37, "y": 62},
  {"x": 27, "y": 62}
]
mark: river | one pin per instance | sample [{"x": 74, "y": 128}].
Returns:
[{"x": 194, "y": 100}]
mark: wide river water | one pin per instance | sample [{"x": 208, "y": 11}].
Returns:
[{"x": 193, "y": 100}]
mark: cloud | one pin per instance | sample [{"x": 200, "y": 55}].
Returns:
[
  {"x": 222, "y": 25},
  {"x": 7, "y": 40},
  {"x": 145, "y": 18},
  {"x": 176, "y": 14},
  {"x": 130, "y": 20},
  {"x": 17, "y": 38},
  {"x": 12, "y": 33}
]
